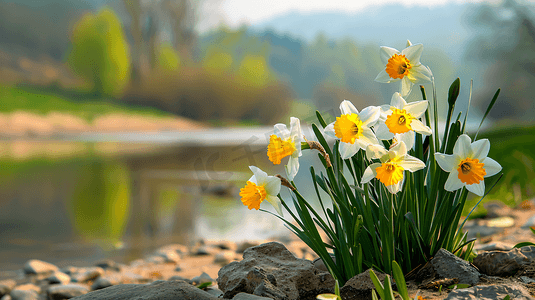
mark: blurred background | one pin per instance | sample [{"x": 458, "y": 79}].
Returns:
[{"x": 127, "y": 125}]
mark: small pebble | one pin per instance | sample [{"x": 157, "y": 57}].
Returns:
[{"x": 35, "y": 266}]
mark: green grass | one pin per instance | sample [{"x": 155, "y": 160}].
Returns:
[
  {"x": 514, "y": 149},
  {"x": 40, "y": 102}
]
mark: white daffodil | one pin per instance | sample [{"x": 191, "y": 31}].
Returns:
[
  {"x": 286, "y": 143},
  {"x": 259, "y": 187},
  {"x": 404, "y": 66},
  {"x": 403, "y": 119},
  {"x": 468, "y": 165},
  {"x": 393, "y": 162},
  {"x": 353, "y": 128}
]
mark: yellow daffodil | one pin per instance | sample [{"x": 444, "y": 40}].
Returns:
[
  {"x": 353, "y": 128},
  {"x": 404, "y": 66},
  {"x": 261, "y": 187},
  {"x": 401, "y": 118},
  {"x": 393, "y": 162},
  {"x": 284, "y": 143},
  {"x": 468, "y": 165}
]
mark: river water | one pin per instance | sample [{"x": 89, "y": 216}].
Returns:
[{"x": 76, "y": 200}]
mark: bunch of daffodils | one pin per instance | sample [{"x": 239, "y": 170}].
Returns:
[{"x": 391, "y": 196}]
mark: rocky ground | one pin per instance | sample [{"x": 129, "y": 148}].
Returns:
[{"x": 288, "y": 270}]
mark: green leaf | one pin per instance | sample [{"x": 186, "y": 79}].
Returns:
[
  {"x": 320, "y": 119},
  {"x": 204, "y": 285},
  {"x": 458, "y": 286},
  {"x": 453, "y": 92},
  {"x": 523, "y": 244},
  {"x": 378, "y": 285},
  {"x": 400, "y": 280},
  {"x": 488, "y": 110}
]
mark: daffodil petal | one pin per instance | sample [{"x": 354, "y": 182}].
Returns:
[
  {"x": 453, "y": 182},
  {"x": 295, "y": 133},
  {"x": 292, "y": 168},
  {"x": 260, "y": 176},
  {"x": 281, "y": 131},
  {"x": 407, "y": 138},
  {"x": 329, "y": 130},
  {"x": 348, "y": 150},
  {"x": 368, "y": 137},
  {"x": 477, "y": 188},
  {"x": 417, "y": 108},
  {"x": 480, "y": 149},
  {"x": 406, "y": 86},
  {"x": 397, "y": 101},
  {"x": 370, "y": 173},
  {"x": 370, "y": 115},
  {"x": 491, "y": 166},
  {"x": 276, "y": 202},
  {"x": 411, "y": 163},
  {"x": 413, "y": 53},
  {"x": 420, "y": 73},
  {"x": 375, "y": 151},
  {"x": 400, "y": 148},
  {"x": 462, "y": 146},
  {"x": 419, "y": 127},
  {"x": 382, "y": 132},
  {"x": 386, "y": 53},
  {"x": 383, "y": 77},
  {"x": 447, "y": 162},
  {"x": 395, "y": 188},
  {"x": 347, "y": 108},
  {"x": 272, "y": 185}
]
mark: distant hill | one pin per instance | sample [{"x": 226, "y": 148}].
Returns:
[{"x": 438, "y": 27}]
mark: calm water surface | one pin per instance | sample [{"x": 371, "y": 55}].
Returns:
[{"x": 120, "y": 196}]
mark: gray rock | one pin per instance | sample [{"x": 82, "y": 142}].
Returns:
[
  {"x": 6, "y": 286},
  {"x": 360, "y": 286},
  {"x": 241, "y": 247},
  {"x": 504, "y": 263},
  {"x": 214, "y": 292},
  {"x": 86, "y": 274},
  {"x": 6, "y": 297},
  {"x": 318, "y": 263},
  {"x": 270, "y": 270},
  {"x": 526, "y": 279},
  {"x": 58, "y": 277},
  {"x": 109, "y": 264},
  {"x": 224, "y": 257},
  {"x": 27, "y": 287},
  {"x": 478, "y": 228},
  {"x": 24, "y": 295},
  {"x": 203, "y": 278},
  {"x": 245, "y": 296},
  {"x": 446, "y": 265},
  {"x": 66, "y": 291},
  {"x": 154, "y": 291},
  {"x": 35, "y": 266},
  {"x": 490, "y": 292}
]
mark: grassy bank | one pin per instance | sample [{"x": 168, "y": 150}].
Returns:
[{"x": 34, "y": 101}]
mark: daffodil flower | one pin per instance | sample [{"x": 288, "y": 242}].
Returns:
[
  {"x": 404, "y": 66},
  {"x": 261, "y": 187},
  {"x": 353, "y": 128},
  {"x": 403, "y": 119},
  {"x": 393, "y": 162},
  {"x": 286, "y": 143},
  {"x": 468, "y": 165}
]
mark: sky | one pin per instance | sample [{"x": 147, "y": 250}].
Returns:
[{"x": 235, "y": 13}]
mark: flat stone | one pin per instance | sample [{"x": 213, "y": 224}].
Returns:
[
  {"x": 87, "y": 274},
  {"x": 245, "y": 296},
  {"x": 504, "y": 263},
  {"x": 6, "y": 286},
  {"x": 157, "y": 290},
  {"x": 58, "y": 277},
  {"x": 35, "y": 266},
  {"x": 66, "y": 291},
  {"x": 490, "y": 292},
  {"x": 203, "y": 278},
  {"x": 23, "y": 295}
]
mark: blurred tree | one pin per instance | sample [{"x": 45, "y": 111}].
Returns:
[
  {"x": 505, "y": 44},
  {"x": 100, "y": 53},
  {"x": 168, "y": 59}
]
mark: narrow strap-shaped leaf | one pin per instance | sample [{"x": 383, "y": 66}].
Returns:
[
  {"x": 487, "y": 112},
  {"x": 320, "y": 119}
]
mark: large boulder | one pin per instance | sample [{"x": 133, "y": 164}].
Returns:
[
  {"x": 504, "y": 263},
  {"x": 270, "y": 270}
]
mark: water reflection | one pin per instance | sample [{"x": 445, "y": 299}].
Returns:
[{"x": 73, "y": 203}]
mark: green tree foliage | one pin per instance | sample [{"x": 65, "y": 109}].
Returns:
[
  {"x": 100, "y": 52},
  {"x": 168, "y": 59}
]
